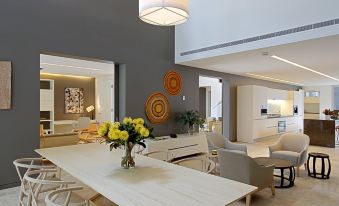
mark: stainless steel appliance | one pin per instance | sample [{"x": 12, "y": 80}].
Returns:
[
  {"x": 295, "y": 110},
  {"x": 281, "y": 126}
]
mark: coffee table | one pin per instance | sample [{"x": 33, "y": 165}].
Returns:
[{"x": 281, "y": 165}]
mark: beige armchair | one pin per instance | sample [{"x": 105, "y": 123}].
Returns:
[
  {"x": 292, "y": 147},
  {"x": 217, "y": 141},
  {"x": 237, "y": 166}
]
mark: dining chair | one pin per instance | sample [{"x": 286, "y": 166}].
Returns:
[
  {"x": 65, "y": 197},
  {"x": 24, "y": 165},
  {"x": 217, "y": 141},
  {"x": 161, "y": 155},
  {"x": 201, "y": 163},
  {"x": 34, "y": 181}
]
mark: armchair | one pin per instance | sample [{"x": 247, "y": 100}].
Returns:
[
  {"x": 237, "y": 166},
  {"x": 292, "y": 147},
  {"x": 216, "y": 142}
]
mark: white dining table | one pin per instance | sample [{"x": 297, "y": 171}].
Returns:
[{"x": 151, "y": 183}]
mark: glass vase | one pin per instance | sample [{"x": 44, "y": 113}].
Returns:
[
  {"x": 190, "y": 129},
  {"x": 127, "y": 161}
]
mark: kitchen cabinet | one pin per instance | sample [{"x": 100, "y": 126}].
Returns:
[
  {"x": 260, "y": 95},
  {"x": 277, "y": 94}
]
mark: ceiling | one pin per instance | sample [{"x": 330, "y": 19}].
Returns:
[
  {"x": 77, "y": 67},
  {"x": 320, "y": 54}
]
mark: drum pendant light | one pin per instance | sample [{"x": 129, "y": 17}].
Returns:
[{"x": 163, "y": 12}]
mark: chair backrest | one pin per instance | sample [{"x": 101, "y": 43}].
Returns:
[
  {"x": 215, "y": 141},
  {"x": 295, "y": 142},
  {"x": 24, "y": 165},
  {"x": 161, "y": 155},
  {"x": 202, "y": 164},
  {"x": 83, "y": 123},
  {"x": 53, "y": 198},
  {"x": 236, "y": 165},
  {"x": 35, "y": 180}
]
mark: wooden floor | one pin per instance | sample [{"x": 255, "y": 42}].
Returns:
[{"x": 307, "y": 191}]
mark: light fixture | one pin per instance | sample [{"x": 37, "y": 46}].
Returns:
[
  {"x": 163, "y": 12},
  {"x": 90, "y": 109},
  {"x": 274, "y": 79},
  {"x": 77, "y": 67},
  {"x": 303, "y": 67},
  {"x": 65, "y": 75}
]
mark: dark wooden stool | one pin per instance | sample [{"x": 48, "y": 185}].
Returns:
[{"x": 314, "y": 173}]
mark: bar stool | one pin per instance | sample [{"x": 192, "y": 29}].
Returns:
[{"x": 314, "y": 173}]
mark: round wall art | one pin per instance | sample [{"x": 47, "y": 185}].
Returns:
[
  {"x": 172, "y": 82},
  {"x": 157, "y": 108}
]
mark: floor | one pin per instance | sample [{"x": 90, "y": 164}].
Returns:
[{"x": 307, "y": 191}]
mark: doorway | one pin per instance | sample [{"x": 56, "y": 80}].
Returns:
[{"x": 210, "y": 103}]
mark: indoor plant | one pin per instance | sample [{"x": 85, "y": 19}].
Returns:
[
  {"x": 327, "y": 113},
  {"x": 189, "y": 118},
  {"x": 126, "y": 134}
]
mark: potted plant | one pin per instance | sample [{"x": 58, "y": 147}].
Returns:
[
  {"x": 327, "y": 113},
  {"x": 125, "y": 135},
  {"x": 189, "y": 118}
]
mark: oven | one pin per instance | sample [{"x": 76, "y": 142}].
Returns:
[{"x": 281, "y": 126}]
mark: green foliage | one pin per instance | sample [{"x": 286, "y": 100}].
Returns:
[{"x": 190, "y": 118}]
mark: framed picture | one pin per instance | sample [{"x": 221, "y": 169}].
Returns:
[
  {"x": 5, "y": 84},
  {"x": 74, "y": 100}
]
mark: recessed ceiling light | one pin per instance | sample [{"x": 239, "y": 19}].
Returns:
[
  {"x": 61, "y": 65},
  {"x": 65, "y": 75},
  {"x": 303, "y": 67},
  {"x": 271, "y": 78}
]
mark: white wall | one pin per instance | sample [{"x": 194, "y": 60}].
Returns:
[
  {"x": 220, "y": 21},
  {"x": 326, "y": 97},
  {"x": 216, "y": 94},
  {"x": 104, "y": 98},
  {"x": 336, "y": 98}
]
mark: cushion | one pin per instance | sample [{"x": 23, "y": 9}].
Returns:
[{"x": 287, "y": 155}]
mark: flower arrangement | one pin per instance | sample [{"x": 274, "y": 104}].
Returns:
[
  {"x": 327, "y": 112},
  {"x": 128, "y": 133}
]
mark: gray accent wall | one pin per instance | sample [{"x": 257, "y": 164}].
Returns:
[{"x": 105, "y": 30}]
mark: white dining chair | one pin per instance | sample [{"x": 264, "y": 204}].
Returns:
[
  {"x": 201, "y": 163},
  {"x": 65, "y": 197},
  {"x": 24, "y": 165},
  {"x": 34, "y": 181},
  {"x": 161, "y": 155}
]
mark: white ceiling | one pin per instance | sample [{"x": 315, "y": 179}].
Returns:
[
  {"x": 319, "y": 54},
  {"x": 77, "y": 67}
]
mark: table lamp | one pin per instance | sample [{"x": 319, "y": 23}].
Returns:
[{"x": 90, "y": 109}]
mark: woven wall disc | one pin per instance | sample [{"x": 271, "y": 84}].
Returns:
[
  {"x": 172, "y": 82},
  {"x": 157, "y": 108}
]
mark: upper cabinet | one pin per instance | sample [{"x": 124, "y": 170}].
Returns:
[{"x": 277, "y": 94}]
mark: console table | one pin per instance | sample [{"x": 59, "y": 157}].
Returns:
[{"x": 183, "y": 145}]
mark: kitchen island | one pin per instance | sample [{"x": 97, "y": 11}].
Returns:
[{"x": 321, "y": 132}]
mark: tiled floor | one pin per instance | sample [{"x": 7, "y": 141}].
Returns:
[{"x": 306, "y": 192}]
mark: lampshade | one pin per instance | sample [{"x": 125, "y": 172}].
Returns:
[
  {"x": 90, "y": 108},
  {"x": 163, "y": 12}
]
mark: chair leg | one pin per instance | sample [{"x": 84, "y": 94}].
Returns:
[
  {"x": 273, "y": 188},
  {"x": 305, "y": 165},
  {"x": 298, "y": 171},
  {"x": 248, "y": 200}
]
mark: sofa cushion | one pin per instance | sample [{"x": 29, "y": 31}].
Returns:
[{"x": 287, "y": 155}]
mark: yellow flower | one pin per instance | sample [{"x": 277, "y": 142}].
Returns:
[
  {"x": 102, "y": 131},
  {"x": 144, "y": 132},
  {"x": 127, "y": 120},
  {"x": 107, "y": 124},
  {"x": 138, "y": 127},
  {"x": 114, "y": 126},
  {"x": 114, "y": 134},
  {"x": 124, "y": 135},
  {"x": 138, "y": 121}
]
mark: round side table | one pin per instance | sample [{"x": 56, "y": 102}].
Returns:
[
  {"x": 281, "y": 165},
  {"x": 314, "y": 173}
]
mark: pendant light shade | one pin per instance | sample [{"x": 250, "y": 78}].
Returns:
[{"x": 163, "y": 12}]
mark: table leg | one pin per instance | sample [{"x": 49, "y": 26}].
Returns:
[
  {"x": 58, "y": 174},
  {"x": 308, "y": 166},
  {"x": 282, "y": 177},
  {"x": 329, "y": 168},
  {"x": 322, "y": 168},
  {"x": 314, "y": 170},
  {"x": 248, "y": 200}
]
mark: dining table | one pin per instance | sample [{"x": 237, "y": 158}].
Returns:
[{"x": 151, "y": 183}]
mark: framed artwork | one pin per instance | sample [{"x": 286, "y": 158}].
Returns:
[
  {"x": 173, "y": 82},
  {"x": 5, "y": 84},
  {"x": 74, "y": 100},
  {"x": 157, "y": 108}
]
